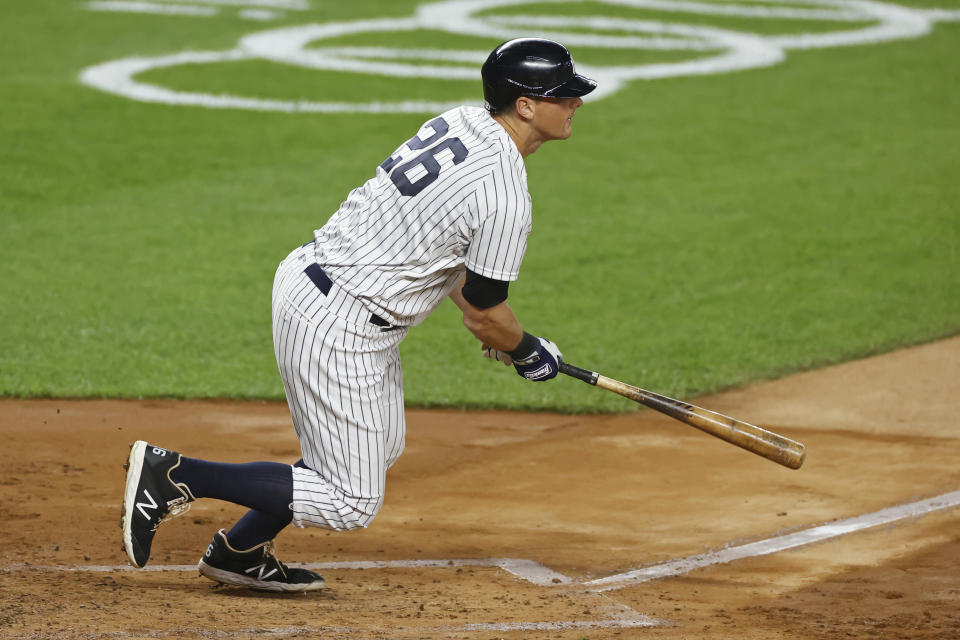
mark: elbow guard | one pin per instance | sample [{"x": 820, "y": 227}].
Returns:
[{"x": 483, "y": 292}]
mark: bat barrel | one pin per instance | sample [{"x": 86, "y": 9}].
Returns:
[{"x": 772, "y": 446}]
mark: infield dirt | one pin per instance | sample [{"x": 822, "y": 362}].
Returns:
[{"x": 585, "y": 496}]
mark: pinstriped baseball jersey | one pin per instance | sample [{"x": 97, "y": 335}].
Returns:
[{"x": 453, "y": 195}]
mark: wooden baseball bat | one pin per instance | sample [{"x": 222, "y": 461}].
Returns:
[{"x": 772, "y": 446}]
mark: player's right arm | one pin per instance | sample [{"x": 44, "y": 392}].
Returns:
[
  {"x": 492, "y": 321},
  {"x": 492, "y": 260},
  {"x": 488, "y": 317}
]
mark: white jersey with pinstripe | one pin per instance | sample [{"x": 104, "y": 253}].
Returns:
[{"x": 455, "y": 195}]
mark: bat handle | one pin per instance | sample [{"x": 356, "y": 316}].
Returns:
[{"x": 590, "y": 377}]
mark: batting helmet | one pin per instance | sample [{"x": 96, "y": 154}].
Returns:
[{"x": 530, "y": 67}]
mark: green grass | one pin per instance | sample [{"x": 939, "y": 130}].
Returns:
[{"x": 694, "y": 234}]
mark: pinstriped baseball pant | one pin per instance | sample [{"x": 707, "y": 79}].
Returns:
[{"x": 342, "y": 378}]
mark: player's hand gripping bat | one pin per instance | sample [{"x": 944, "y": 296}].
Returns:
[{"x": 765, "y": 443}]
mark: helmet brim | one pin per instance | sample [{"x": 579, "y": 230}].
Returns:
[{"x": 575, "y": 87}]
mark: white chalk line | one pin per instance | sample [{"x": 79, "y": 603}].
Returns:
[
  {"x": 293, "y": 5},
  {"x": 342, "y": 565},
  {"x": 777, "y": 543},
  {"x": 135, "y": 6},
  {"x": 528, "y": 570},
  {"x": 263, "y": 10},
  {"x": 315, "y": 631},
  {"x": 555, "y": 626},
  {"x": 263, "y": 15}
]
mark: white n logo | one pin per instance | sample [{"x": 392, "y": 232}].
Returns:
[
  {"x": 259, "y": 568},
  {"x": 149, "y": 505}
]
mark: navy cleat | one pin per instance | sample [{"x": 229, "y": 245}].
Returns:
[
  {"x": 256, "y": 568},
  {"x": 150, "y": 498}
]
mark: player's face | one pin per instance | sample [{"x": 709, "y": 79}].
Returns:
[{"x": 554, "y": 117}]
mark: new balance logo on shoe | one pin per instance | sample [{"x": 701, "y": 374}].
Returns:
[
  {"x": 260, "y": 571},
  {"x": 152, "y": 504}
]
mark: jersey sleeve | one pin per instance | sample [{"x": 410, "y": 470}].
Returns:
[{"x": 500, "y": 241}]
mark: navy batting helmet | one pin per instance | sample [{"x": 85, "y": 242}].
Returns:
[{"x": 530, "y": 67}]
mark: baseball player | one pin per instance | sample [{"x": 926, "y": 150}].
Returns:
[{"x": 446, "y": 215}]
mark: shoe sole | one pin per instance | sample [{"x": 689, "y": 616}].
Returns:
[
  {"x": 237, "y": 580},
  {"x": 134, "y": 469}
]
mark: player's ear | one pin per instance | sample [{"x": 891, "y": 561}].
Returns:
[{"x": 525, "y": 107}]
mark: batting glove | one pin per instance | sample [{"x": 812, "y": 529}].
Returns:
[{"x": 540, "y": 365}]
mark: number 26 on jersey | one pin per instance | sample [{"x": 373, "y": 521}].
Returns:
[{"x": 427, "y": 159}]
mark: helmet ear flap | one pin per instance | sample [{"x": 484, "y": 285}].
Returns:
[
  {"x": 500, "y": 92},
  {"x": 494, "y": 97}
]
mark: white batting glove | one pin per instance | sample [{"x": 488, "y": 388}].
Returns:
[{"x": 493, "y": 354}]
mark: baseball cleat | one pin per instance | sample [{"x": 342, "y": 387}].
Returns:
[
  {"x": 256, "y": 568},
  {"x": 150, "y": 498}
]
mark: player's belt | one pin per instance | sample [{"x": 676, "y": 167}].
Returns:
[{"x": 323, "y": 282}]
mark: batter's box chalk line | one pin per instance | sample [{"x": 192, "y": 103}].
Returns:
[
  {"x": 538, "y": 574},
  {"x": 637, "y": 621},
  {"x": 777, "y": 543}
]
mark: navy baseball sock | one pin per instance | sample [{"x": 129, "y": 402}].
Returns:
[
  {"x": 256, "y": 527},
  {"x": 263, "y": 486}
]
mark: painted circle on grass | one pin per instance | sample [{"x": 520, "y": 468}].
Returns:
[{"x": 723, "y": 50}]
